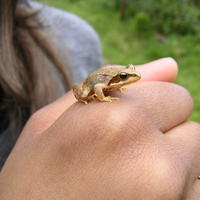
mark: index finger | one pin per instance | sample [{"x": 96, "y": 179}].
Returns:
[{"x": 164, "y": 69}]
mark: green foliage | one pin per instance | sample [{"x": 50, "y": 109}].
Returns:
[
  {"x": 179, "y": 16},
  {"x": 141, "y": 24}
]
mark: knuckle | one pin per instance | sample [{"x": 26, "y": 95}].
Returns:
[
  {"x": 37, "y": 121},
  {"x": 165, "y": 174},
  {"x": 36, "y": 116},
  {"x": 184, "y": 94},
  {"x": 121, "y": 125}
]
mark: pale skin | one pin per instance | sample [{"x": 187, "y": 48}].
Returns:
[{"x": 144, "y": 148}]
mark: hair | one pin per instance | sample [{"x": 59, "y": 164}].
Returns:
[{"x": 27, "y": 82}]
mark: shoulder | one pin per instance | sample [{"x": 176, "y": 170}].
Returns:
[{"x": 82, "y": 41}]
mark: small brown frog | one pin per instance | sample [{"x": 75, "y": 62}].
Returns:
[{"x": 104, "y": 80}]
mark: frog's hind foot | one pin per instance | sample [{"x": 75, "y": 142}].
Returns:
[
  {"x": 109, "y": 99},
  {"x": 85, "y": 102}
]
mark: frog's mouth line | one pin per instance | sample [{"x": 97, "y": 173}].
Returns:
[{"x": 114, "y": 80}]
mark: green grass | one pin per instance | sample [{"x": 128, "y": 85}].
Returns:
[{"x": 122, "y": 45}]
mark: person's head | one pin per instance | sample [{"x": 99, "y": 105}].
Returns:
[{"x": 30, "y": 68}]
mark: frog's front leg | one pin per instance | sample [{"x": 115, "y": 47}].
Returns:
[
  {"x": 98, "y": 90},
  {"x": 123, "y": 89}
]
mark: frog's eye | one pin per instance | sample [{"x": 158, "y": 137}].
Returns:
[{"x": 123, "y": 75}]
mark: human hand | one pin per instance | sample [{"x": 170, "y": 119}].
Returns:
[{"x": 140, "y": 147}]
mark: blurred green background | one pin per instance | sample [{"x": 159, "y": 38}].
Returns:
[{"x": 139, "y": 31}]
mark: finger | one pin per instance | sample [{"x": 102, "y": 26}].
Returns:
[
  {"x": 164, "y": 69},
  {"x": 158, "y": 104},
  {"x": 165, "y": 104},
  {"x": 146, "y": 106},
  {"x": 186, "y": 138}
]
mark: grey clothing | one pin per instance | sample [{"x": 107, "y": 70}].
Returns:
[{"x": 75, "y": 39}]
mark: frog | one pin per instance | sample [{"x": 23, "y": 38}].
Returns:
[{"x": 102, "y": 81}]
